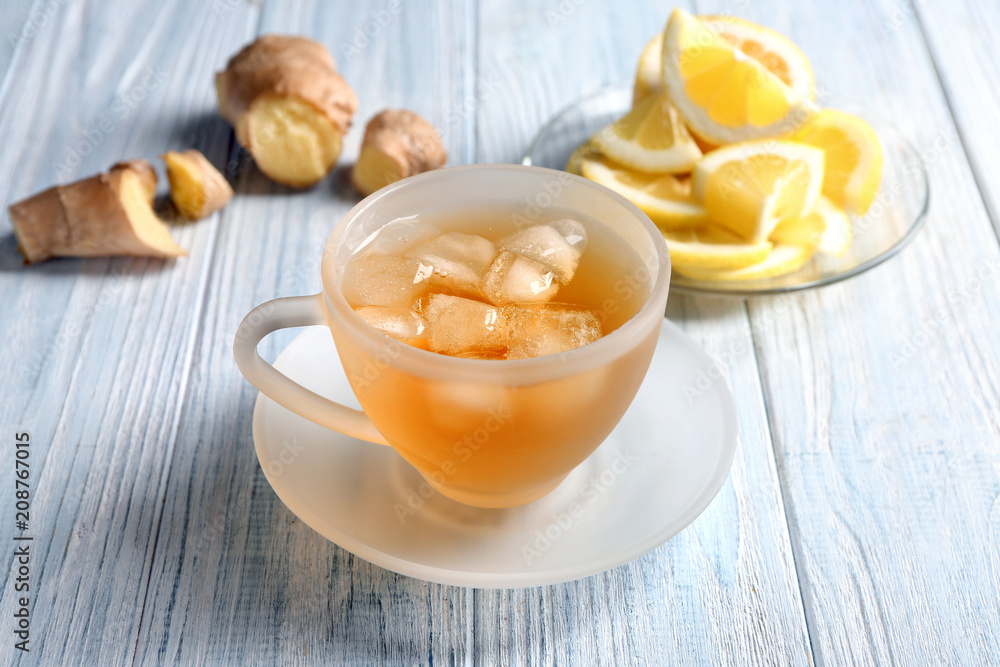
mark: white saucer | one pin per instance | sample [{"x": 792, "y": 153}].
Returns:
[{"x": 656, "y": 472}]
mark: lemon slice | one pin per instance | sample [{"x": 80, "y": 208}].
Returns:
[
  {"x": 751, "y": 188},
  {"x": 781, "y": 260},
  {"x": 713, "y": 249},
  {"x": 663, "y": 197},
  {"x": 836, "y": 237},
  {"x": 649, "y": 72},
  {"x": 853, "y": 157},
  {"x": 650, "y": 137},
  {"x": 724, "y": 93},
  {"x": 804, "y": 231},
  {"x": 827, "y": 229},
  {"x": 574, "y": 163}
]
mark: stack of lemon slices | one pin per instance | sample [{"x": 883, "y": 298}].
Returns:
[{"x": 727, "y": 152}]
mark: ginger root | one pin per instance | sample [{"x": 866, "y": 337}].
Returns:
[
  {"x": 107, "y": 214},
  {"x": 397, "y": 144},
  {"x": 288, "y": 105},
  {"x": 197, "y": 187}
]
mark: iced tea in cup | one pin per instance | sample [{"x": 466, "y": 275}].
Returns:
[{"x": 494, "y": 322}]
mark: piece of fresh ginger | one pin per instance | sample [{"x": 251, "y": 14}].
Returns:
[
  {"x": 398, "y": 143},
  {"x": 107, "y": 214},
  {"x": 196, "y": 187},
  {"x": 288, "y": 106}
]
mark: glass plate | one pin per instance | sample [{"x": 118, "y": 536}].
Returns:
[{"x": 898, "y": 213}]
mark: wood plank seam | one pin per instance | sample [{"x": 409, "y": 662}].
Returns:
[
  {"x": 15, "y": 57},
  {"x": 959, "y": 130},
  {"x": 471, "y": 80},
  {"x": 798, "y": 556},
  {"x": 208, "y": 270}
]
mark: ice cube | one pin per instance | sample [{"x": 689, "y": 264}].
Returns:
[
  {"x": 513, "y": 278},
  {"x": 401, "y": 236},
  {"x": 573, "y": 231},
  {"x": 384, "y": 280},
  {"x": 548, "y": 246},
  {"x": 462, "y": 327},
  {"x": 472, "y": 250},
  {"x": 549, "y": 329},
  {"x": 401, "y": 323},
  {"x": 458, "y": 261}
]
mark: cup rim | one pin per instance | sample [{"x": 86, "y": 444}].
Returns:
[{"x": 535, "y": 369}]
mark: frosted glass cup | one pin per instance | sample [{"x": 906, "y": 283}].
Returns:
[{"x": 485, "y": 433}]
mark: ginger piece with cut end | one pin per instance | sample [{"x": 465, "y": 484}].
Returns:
[
  {"x": 107, "y": 214},
  {"x": 196, "y": 187},
  {"x": 397, "y": 144},
  {"x": 288, "y": 105}
]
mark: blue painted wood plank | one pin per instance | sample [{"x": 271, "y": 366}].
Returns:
[
  {"x": 884, "y": 392},
  {"x": 961, "y": 42},
  {"x": 98, "y": 352},
  {"x": 237, "y": 578},
  {"x": 122, "y": 370},
  {"x": 724, "y": 591},
  {"x": 20, "y": 22}
]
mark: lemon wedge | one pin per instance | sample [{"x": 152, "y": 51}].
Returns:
[
  {"x": 804, "y": 231},
  {"x": 723, "y": 92},
  {"x": 713, "y": 249},
  {"x": 663, "y": 197},
  {"x": 778, "y": 54},
  {"x": 853, "y": 157},
  {"x": 836, "y": 237},
  {"x": 650, "y": 138},
  {"x": 575, "y": 162},
  {"x": 781, "y": 260},
  {"x": 753, "y": 187},
  {"x": 770, "y": 48},
  {"x": 649, "y": 71},
  {"x": 827, "y": 228}
]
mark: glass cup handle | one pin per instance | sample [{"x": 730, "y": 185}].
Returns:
[{"x": 295, "y": 311}]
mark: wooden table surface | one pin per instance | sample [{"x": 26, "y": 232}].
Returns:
[{"x": 860, "y": 524}]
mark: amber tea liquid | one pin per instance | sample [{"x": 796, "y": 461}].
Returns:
[{"x": 476, "y": 441}]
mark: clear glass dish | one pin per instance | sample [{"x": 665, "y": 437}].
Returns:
[{"x": 898, "y": 213}]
